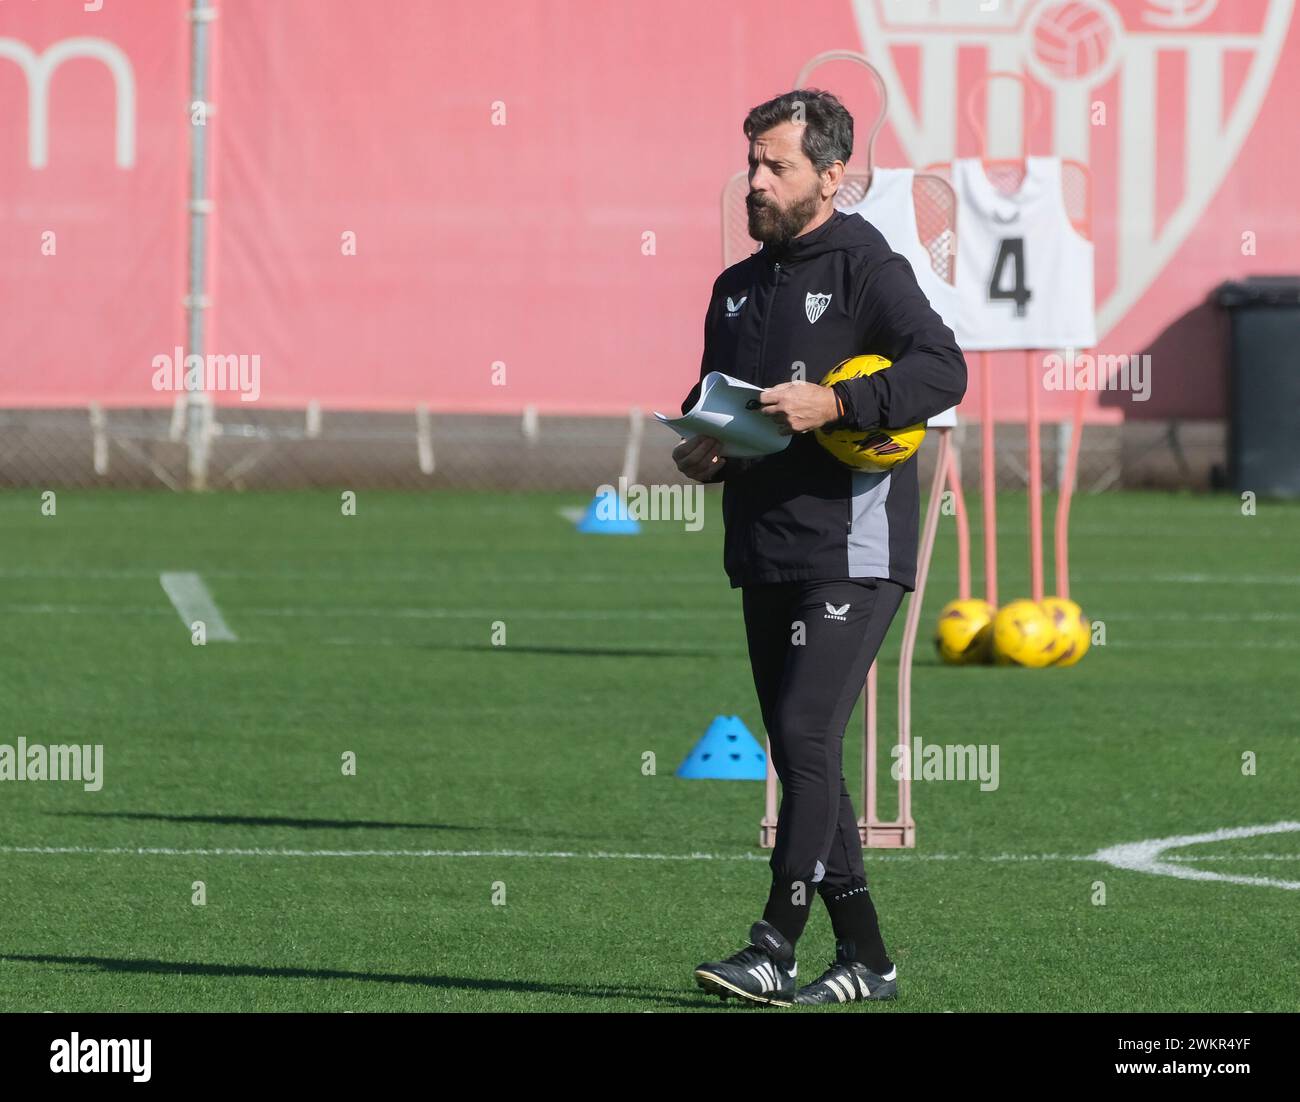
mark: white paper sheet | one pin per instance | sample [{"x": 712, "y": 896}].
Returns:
[{"x": 727, "y": 410}]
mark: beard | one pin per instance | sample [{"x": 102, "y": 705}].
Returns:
[{"x": 777, "y": 227}]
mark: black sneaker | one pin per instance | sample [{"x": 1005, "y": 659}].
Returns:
[
  {"x": 763, "y": 972},
  {"x": 847, "y": 981}
]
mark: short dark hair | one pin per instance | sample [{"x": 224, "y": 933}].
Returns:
[{"x": 828, "y": 133}]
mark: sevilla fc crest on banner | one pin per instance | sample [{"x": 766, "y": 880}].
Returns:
[{"x": 1085, "y": 57}]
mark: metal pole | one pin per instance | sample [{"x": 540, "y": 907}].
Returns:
[
  {"x": 632, "y": 453},
  {"x": 199, "y": 420},
  {"x": 1064, "y": 435}
]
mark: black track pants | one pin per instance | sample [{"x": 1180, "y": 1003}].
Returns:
[{"x": 810, "y": 646}]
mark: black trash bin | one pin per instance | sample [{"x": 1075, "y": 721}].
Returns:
[{"x": 1264, "y": 372}]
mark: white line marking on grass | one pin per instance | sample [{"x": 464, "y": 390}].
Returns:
[
  {"x": 1206, "y": 644},
  {"x": 87, "y": 610},
  {"x": 1234, "y": 857},
  {"x": 462, "y": 571},
  {"x": 437, "y": 573},
  {"x": 572, "y": 513},
  {"x": 598, "y": 615},
  {"x": 190, "y": 597},
  {"x": 168, "y": 851},
  {"x": 1208, "y": 617},
  {"x": 1216, "y": 579},
  {"x": 625, "y": 614},
  {"x": 572, "y": 615},
  {"x": 1145, "y": 856}
]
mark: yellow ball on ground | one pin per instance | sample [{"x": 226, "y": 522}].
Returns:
[
  {"x": 876, "y": 449},
  {"x": 1073, "y": 630},
  {"x": 964, "y": 633},
  {"x": 1024, "y": 635}
]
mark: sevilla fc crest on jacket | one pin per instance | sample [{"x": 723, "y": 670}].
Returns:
[{"x": 814, "y": 305}]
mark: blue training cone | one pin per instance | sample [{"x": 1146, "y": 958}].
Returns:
[
  {"x": 725, "y": 752},
  {"x": 602, "y": 517}
]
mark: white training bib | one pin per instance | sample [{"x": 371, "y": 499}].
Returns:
[
  {"x": 888, "y": 205},
  {"x": 1024, "y": 274}
]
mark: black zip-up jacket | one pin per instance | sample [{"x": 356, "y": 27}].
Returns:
[{"x": 800, "y": 515}]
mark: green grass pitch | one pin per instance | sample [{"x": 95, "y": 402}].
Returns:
[{"x": 501, "y": 848}]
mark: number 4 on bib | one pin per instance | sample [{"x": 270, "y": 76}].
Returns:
[{"x": 1008, "y": 279}]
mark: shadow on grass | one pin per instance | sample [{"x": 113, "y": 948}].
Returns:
[
  {"x": 584, "y": 652},
  {"x": 525, "y": 829},
  {"x": 267, "y": 820},
  {"x": 129, "y": 966}
]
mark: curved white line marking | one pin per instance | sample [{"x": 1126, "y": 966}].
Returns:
[{"x": 1146, "y": 856}]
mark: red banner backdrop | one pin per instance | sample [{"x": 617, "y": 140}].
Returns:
[
  {"x": 427, "y": 203},
  {"x": 93, "y": 182}
]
